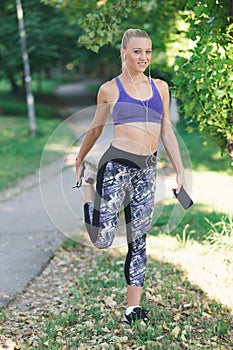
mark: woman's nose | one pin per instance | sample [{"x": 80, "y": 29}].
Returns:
[{"x": 143, "y": 55}]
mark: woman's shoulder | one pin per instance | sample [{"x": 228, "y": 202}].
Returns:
[
  {"x": 108, "y": 85},
  {"x": 108, "y": 90},
  {"x": 162, "y": 86}
]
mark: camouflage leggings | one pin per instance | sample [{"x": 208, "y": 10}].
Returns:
[{"x": 133, "y": 188}]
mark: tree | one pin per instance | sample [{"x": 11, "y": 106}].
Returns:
[
  {"x": 10, "y": 55},
  {"x": 100, "y": 20},
  {"x": 50, "y": 39},
  {"x": 204, "y": 81},
  {"x": 27, "y": 74}
]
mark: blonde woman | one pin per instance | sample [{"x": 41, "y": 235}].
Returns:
[{"x": 139, "y": 106}]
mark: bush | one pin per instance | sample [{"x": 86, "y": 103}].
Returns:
[{"x": 204, "y": 81}]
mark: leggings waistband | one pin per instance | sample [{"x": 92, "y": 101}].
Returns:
[{"x": 129, "y": 159}]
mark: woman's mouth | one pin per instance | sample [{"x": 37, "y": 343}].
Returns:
[{"x": 142, "y": 64}]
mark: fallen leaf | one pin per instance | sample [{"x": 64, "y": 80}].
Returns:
[
  {"x": 110, "y": 302},
  {"x": 176, "y": 331}
]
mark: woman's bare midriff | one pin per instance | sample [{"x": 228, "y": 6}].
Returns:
[{"x": 139, "y": 138}]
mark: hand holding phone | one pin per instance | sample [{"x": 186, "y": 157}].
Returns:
[{"x": 183, "y": 198}]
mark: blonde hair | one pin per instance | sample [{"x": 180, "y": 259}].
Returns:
[{"x": 132, "y": 33}]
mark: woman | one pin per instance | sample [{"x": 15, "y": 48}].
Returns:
[{"x": 139, "y": 106}]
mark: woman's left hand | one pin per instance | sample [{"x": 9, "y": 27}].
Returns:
[{"x": 180, "y": 179}]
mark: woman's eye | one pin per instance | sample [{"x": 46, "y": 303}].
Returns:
[
  {"x": 148, "y": 52},
  {"x": 137, "y": 51}
]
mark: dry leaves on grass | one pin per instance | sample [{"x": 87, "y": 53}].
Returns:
[
  {"x": 25, "y": 318},
  {"x": 79, "y": 300}
]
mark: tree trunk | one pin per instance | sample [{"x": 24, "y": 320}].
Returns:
[{"x": 29, "y": 94}]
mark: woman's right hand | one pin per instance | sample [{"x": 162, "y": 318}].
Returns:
[{"x": 79, "y": 168}]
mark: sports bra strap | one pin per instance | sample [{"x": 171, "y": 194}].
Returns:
[{"x": 119, "y": 85}]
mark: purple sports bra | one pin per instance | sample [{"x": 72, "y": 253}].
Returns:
[{"x": 130, "y": 110}]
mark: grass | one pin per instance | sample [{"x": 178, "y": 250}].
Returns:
[
  {"x": 220, "y": 234},
  {"x": 181, "y": 315},
  {"x": 45, "y": 86},
  {"x": 87, "y": 313},
  {"x": 15, "y": 105},
  {"x": 195, "y": 220},
  {"x": 20, "y": 153}
]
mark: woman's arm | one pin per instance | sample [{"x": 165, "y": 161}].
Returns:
[
  {"x": 169, "y": 139},
  {"x": 96, "y": 127}
]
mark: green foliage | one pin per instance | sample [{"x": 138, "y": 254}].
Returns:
[
  {"x": 47, "y": 44},
  {"x": 100, "y": 20},
  {"x": 104, "y": 22},
  {"x": 94, "y": 24},
  {"x": 204, "y": 81}
]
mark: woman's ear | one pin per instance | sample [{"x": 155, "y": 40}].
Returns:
[{"x": 123, "y": 54}]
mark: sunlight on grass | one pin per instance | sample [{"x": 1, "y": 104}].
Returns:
[{"x": 210, "y": 269}]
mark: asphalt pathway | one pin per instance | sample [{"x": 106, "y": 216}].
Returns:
[{"x": 36, "y": 215}]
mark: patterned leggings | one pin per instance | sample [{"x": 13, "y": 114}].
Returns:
[{"x": 133, "y": 187}]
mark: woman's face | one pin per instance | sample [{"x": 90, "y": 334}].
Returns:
[{"x": 138, "y": 54}]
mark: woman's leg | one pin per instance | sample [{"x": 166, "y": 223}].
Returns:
[
  {"x": 101, "y": 215},
  {"x": 134, "y": 295},
  {"x": 88, "y": 193},
  {"x": 135, "y": 269},
  {"x": 138, "y": 214}
]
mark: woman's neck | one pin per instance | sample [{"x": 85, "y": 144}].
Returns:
[{"x": 132, "y": 76}]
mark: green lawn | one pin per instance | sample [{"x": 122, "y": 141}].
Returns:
[
  {"x": 20, "y": 154},
  {"x": 45, "y": 86}
]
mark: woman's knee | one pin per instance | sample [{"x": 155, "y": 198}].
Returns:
[{"x": 105, "y": 238}]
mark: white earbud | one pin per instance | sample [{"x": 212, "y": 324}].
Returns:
[{"x": 149, "y": 75}]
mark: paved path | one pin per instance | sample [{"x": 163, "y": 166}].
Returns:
[{"x": 34, "y": 219}]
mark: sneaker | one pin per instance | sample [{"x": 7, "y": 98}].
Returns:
[{"x": 136, "y": 314}]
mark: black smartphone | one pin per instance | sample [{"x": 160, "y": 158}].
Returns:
[{"x": 183, "y": 198}]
